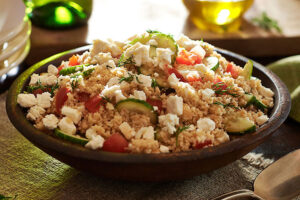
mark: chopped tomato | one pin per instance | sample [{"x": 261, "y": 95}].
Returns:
[
  {"x": 155, "y": 102},
  {"x": 176, "y": 72},
  {"x": 203, "y": 144},
  {"x": 73, "y": 61},
  {"x": 194, "y": 79},
  {"x": 188, "y": 58},
  {"x": 83, "y": 96},
  {"x": 40, "y": 91},
  {"x": 219, "y": 86},
  {"x": 61, "y": 98},
  {"x": 217, "y": 80},
  {"x": 115, "y": 143},
  {"x": 233, "y": 70},
  {"x": 93, "y": 103}
]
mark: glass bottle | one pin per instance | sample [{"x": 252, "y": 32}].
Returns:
[{"x": 58, "y": 14}]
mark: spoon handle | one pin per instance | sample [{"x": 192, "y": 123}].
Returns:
[{"x": 238, "y": 194}]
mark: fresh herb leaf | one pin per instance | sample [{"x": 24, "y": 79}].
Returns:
[
  {"x": 226, "y": 105},
  {"x": 138, "y": 69},
  {"x": 128, "y": 61},
  {"x": 137, "y": 79},
  {"x": 88, "y": 72},
  {"x": 178, "y": 131},
  {"x": 38, "y": 85},
  {"x": 267, "y": 23},
  {"x": 154, "y": 83},
  {"x": 127, "y": 79},
  {"x": 74, "y": 83},
  {"x": 106, "y": 98},
  {"x": 71, "y": 70},
  {"x": 220, "y": 88}
]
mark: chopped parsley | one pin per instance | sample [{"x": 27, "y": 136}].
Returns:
[
  {"x": 221, "y": 88},
  {"x": 128, "y": 61},
  {"x": 226, "y": 105},
  {"x": 130, "y": 78},
  {"x": 74, "y": 83},
  {"x": 178, "y": 131},
  {"x": 43, "y": 88},
  {"x": 154, "y": 83}
]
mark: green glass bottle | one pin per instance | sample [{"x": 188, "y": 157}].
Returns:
[{"x": 58, "y": 14}]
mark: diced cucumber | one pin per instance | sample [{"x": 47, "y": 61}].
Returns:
[
  {"x": 72, "y": 138},
  {"x": 240, "y": 126},
  {"x": 252, "y": 100},
  {"x": 247, "y": 70},
  {"x": 152, "y": 51},
  {"x": 139, "y": 106},
  {"x": 211, "y": 62},
  {"x": 163, "y": 41},
  {"x": 161, "y": 79}
]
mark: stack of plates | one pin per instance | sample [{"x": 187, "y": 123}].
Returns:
[{"x": 15, "y": 29}]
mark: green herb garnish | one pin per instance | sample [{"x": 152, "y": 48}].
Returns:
[
  {"x": 137, "y": 79},
  {"x": 178, "y": 131},
  {"x": 267, "y": 23},
  {"x": 226, "y": 105},
  {"x": 74, "y": 83},
  {"x": 220, "y": 88},
  {"x": 38, "y": 85},
  {"x": 128, "y": 61},
  {"x": 127, "y": 79},
  {"x": 154, "y": 83},
  {"x": 88, "y": 72},
  {"x": 2, "y": 197},
  {"x": 106, "y": 98}
]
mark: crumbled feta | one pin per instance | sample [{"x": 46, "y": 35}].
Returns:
[
  {"x": 72, "y": 113},
  {"x": 201, "y": 69},
  {"x": 109, "y": 106},
  {"x": 111, "y": 63},
  {"x": 186, "y": 42},
  {"x": 262, "y": 119},
  {"x": 199, "y": 51},
  {"x": 105, "y": 46},
  {"x": 51, "y": 80},
  {"x": 186, "y": 90},
  {"x": 164, "y": 149},
  {"x": 191, "y": 128},
  {"x": 66, "y": 125},
  {"x": 155, "y": 108},
  {"x": 34, "y": 79},
  {"x": 35, "y": 112},
  {"x": 145, "y": 133},
  {"x": 44, "y": 100},
  {"x": 139, "y": 52},
  {"x": 153, "y": 42},
  {"x": 90, "y": 133},
  {"x": 26, "y": 100},
  {"x": 175, "y": 105},
  {"x": 127, "y": 131},
  {"x": 173, "y": 80},
  {"x": 43, "y": 79},
  {"x": 205, "y": 124},
  {"x": 50, "y": 121},
  {"x": 52, "y": 70},
  {"x": 168, "y": 122},
  {"x": 95, "y": 143},
  {"x": 146, "y": 81},
  {"x": 119, "y": 95},
  {"x": 265, "y": 91},
  {"x": 139, "y": 95},
  {"x": 110, "y": 91},
  {"x": 113, "y": 81},
  {"x": 163, "y": 56},
  {"x": 207, "y": 93},
  {"x": 101, "y": 58}
]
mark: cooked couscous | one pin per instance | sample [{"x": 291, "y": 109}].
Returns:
[{"x": 149, "y": 94}]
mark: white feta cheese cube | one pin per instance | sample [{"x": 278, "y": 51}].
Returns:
[
  {"x": 101, "y": 58},
  {"x": 90, "y": 133},
  {"x": 146, "y": 81},
  {"x": 110, "y": 91},
  {"x": 50, "y": 121},
  {"x": 66, "y": 125},
  {"x": 265, "y": 91},
  {"x": 43, "y": 79},
  {"x": 153, "y": 42},
  {"x": 175, "y": 105},
  {"x": 168, "y": 122},
  {"x": 113, "y": 81},
  {"x": 44, "y": 100},
  {"x": 139, "y": 95},
  {"x": 207, "y": 93},
  {"x": 146, "y": 132},
  {"x": 164, "y": 149},
  {"x": 52, "y": 70},
  {"x": 35, "y": 112},
  {"x": 95, "y": 143},
  {"x": 205, "y": 124},
  {"x": 109, "y": 106},
  {"x": 72, "y": 113},
  {"x": 262, "y": 119},
  {"x": 34, "y": 79},
  {"x": 173, "y": 80},
  {"x": 111, "y": 63},
  {"x": 163, "y": 57},
  {"x": 119, "y": 95},
  {"x": 198, "y": 50},
  {"x": 127, "y": 131},
  {"x": 186, "y": 90},
  {"x": 51, "y": 80},
  {"x": 139, "y": 52},
  {"x": 26, "y": 100},
  {"x": 187, "y": 43}
]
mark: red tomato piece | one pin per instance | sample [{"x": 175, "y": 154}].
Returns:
[
  {"x": 176, "y": 72},
  {"x": 83, "y": 96},
  {"x": 73, "y": 61},
  {"x": 203, "y": 144},
  {"x": 188, "y": 58},
  {"x": 93, "y": 103},
  {"x": 217, "y": 80},
  {"x": 194, "y": 79},
  {"x": 37, "y": 91},
  {"x": 61, "y": 98},
  {"x": 155, "y": 102},
  {"x": 233, "y": 70},
  {"x": 115, "y": 143},
  {"x": 59, "y": 69}
]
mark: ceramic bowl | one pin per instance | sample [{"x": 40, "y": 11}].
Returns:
[{"x": 148, "y": 167}]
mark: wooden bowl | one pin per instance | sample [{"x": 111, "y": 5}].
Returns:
[{"x": 148, "y": 167}]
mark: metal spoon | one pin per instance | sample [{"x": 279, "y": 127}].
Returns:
[{"x": 279, "y": 181}]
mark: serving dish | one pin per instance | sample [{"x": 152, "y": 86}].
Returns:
[{"x": 148, "y": 167}]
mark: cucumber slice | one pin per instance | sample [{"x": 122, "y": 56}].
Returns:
[
  {"x": 163, "y": 40},
  {"x": 252, "y": 100},
  {"x": 247, "y": 70},
  {"x": 161, "y": 79},
  {"x": 152, "y": 51},
  {"x": 139, "y": 106},
  {"x": 211, "y": 62},
  {"x": 72, "y": 138},
  {"x": 240, "y": 126}
]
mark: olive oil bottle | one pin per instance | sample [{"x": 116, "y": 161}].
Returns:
[
  {"x": 58, "y": 14},
  {"x": 217, "y": 15}
]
